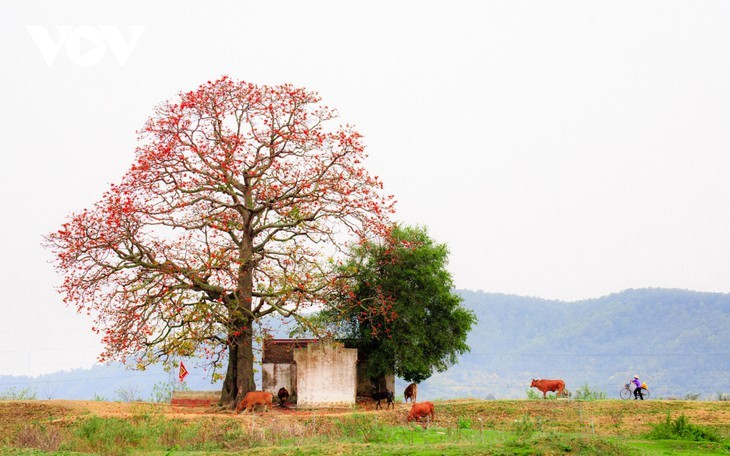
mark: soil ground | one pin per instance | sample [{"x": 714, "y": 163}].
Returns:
[{"x": 605, "y": 417}]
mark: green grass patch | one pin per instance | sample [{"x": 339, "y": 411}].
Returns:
[
  {"x": 681, "y": 429},
  {"x": 521, "y": 427},
  {"x": 445, "y": 441},
  {"x": 363, "y": 428},
  {"x": 676, "y": 447}
]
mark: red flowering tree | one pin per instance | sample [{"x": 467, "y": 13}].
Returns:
[{"x": 239, "y": 204}]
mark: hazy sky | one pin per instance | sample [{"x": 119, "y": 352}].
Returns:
[{"x": 561, "y": 149}]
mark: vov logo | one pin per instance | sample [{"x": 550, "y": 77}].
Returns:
[{"x": 85, "y": 45}]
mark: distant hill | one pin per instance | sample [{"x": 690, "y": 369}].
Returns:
[
  {"x": 105, "y": 382},
  {"x": 677, "y": 341}
]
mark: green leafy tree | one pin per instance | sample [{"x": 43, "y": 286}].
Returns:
[{"x": 397, "y": 302}]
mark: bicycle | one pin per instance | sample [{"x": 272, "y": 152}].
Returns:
[{"x": 627, "y": 393}]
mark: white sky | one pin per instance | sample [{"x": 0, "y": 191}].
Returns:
[{"x": 561, "y": 149}]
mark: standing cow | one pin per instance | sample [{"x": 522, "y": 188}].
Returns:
[
  {"x": 411, "y": 392},
  {"x": 545, "y": 385},
  {"x": 387, "y": 395},
  {"x": 283, "y": 395}
]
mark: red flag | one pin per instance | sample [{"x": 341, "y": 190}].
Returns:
[{"x": 183, "y": 371}]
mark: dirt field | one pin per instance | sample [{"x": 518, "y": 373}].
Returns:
[
  {"x": 607, "y": 417},
  {"x": 18, "y": 413}
]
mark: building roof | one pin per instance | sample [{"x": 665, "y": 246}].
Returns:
[{"x": 281, "y": 351}]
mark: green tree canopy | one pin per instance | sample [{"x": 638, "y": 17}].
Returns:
[{"x": 399, "y": 304}]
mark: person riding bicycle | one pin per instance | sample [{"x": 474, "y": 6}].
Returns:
[{"x": 637, "y": 390}]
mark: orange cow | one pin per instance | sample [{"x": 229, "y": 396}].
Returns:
[
  {"x": 545, "y": 385},
  {"x": 254, "y": 398},
  {"x": 411, "y": 392},
  {"x": 421, "y": 410}
]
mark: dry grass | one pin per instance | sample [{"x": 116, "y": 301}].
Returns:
[{"x": 46, "y": 425}]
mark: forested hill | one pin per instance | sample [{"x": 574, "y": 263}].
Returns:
[{"x": 677, "y": 341}]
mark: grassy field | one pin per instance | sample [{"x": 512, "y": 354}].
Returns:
[{"x": 509, "y": 427}]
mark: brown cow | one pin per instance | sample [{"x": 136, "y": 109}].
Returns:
[
  {"x": 283, "y": 396},
  {"x": 411, "y": 392},
  {"x": 545, "y": 385},
  {"x": 420, "y": 410},
  {"x": 254, "y": 398}
]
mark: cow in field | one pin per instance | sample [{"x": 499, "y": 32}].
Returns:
[
  {"x": 411, "y": 392},
  {"x": 254, "y": 398},
  {"x": 545, "y": 385},
  {"x": 420, "y": 410},
  {"x": 283, "y": 395},
  {"x": 387, "y": 395}
]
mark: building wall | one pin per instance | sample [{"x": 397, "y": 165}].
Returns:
[
  {"x": 277, "y": 375},
  {"x": 367, "y": 386},
  {"x": 195, "y": 398},
  {"x": 364, "y": 384},
  {"x": 326, "y": 375}
]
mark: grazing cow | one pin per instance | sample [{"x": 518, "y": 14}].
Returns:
[
  {"x": 387, "y": 395},
  {"x": 545, "y": 385},
  {"x": 283, "y": 396},
  {"x": 254, "y": 398},
  {"x": 420, "y": 410},
  {"x": 411, "y": 392}
]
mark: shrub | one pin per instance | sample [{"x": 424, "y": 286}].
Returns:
[
  {"x": 681, "y": 429},
  {"x": 525, "y": 427},
  {"x": 162, "y": 391},
  {"x": 14, "y": 394},
  {"x": 586, "y": 393},
  {"x": 40, "y": 437},
  {"x": 532, "y": 394},
  {"x": 128, "y": 394},
  {"x": 463, "y": 422},
  {"x": 107, "y": 435}
]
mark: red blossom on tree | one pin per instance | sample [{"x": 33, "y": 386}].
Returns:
[{"x": 238, "y": 205}]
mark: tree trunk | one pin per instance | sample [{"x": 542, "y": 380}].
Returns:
[
  {"x": 229, "y": 392},
  {"x": 244, "y": 361},
  {"x": 239, "y": 375}
]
